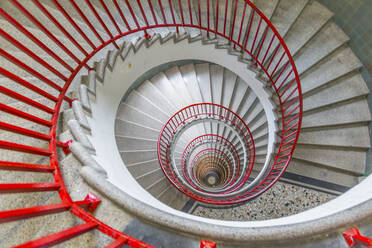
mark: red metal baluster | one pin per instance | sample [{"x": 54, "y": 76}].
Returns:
[
  {"x": 208, "y": 19},
  {"x": 108, "y": 12},
  {"x": 22, "y": 65},
  {"x": 86, "y": 21},
  {"x": 173, "y": 16},
  {"x": 132, "y": 13},
  {"x": 23, "y": 131},
  {"x": 190, "y": 12},
  {"x": 225, "y": 20},
  {"x": 60, "y": 237},
  {"x": 217, "y": 13},
  {"x": 153, "y": 12},
  {"x": 241, "y": 23},
  {"x": 73, "y": 23},
  {"x": 23, "y": 30},
  {"x": 15, "y": 166},
  {"x": 45, "y": 30},
  {"x": 60, "y": 27},
  {"x": 249, "y": 28},
  {"x": 233, "y": 23},
  {"x": 26, "y": 100},
  {"x": 31, "y": 54},
  {"x": 181, "y": 10},
  {"x": 24, "y": 115},
  {"x": 122, "y": 15},
  {"x": 142, "y": 12},
  {"x": 91, "y": 7},
  {"x": 162, "y": 11},
  {"x": 255, "y": 37},
  {"x": 26, "y": 84},
  {"x": 28, "y": 187}
]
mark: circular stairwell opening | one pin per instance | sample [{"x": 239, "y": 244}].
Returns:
[{"x": 206, "y": 171}]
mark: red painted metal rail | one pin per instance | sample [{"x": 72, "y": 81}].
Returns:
[
  {"x": 202, "y": 111},
  {"x": 250, "y": 32}
]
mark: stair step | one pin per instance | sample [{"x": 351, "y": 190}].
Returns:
[
  {"x": 126, "y": 128},
  {"x": 308, "y": 169},
  {"x": 346, "y": 160},
  {"x": 142, "y": 168},
  {"x": 128, "y": 113},
  {"x": 339, "y": 64},
  {"x": 342, "y": 114},
  {"x": 343, "y": 136},
  {"x": 130, "y": 157},
  {"x": 134, "y": 143}
]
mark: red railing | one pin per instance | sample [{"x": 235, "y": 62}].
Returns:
[
  {"x": 210, "y": 138},
  {"x": 249, "y": 31},
  {"x": 211, "y": 112}
]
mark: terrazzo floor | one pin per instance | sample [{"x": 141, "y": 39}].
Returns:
[{"x": 281, "y": 200}]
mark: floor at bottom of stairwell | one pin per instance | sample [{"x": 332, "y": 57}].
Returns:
[{"x": 281, "y": 200}]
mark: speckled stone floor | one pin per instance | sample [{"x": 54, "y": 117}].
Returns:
[{"x": 281, "y": 200}]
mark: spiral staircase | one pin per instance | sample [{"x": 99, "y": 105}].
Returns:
[{"x": 117, "y": 112}]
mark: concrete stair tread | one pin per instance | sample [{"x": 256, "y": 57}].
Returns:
[
  {"x": 350, "y": 161},
  {"x": 343, "y": 136},
  {"x": 131, "y": 143},
  {"x": 347, "y": 113},
  {"x": 148, "y": 90},
  {"x": 130, "y": 157},
  {"x": 308, "y": 169},
  {"x": 131, "y": 114},
  {"x": 191, "y": 82},
  {"x": 286, "y": 14},
  {"x": 175, "y": 77},
  {"x": 136, "y": 100},
  {"x": 203, "y": 76},
  {"x": 339, "y": 91},
  {"x": 127, "y": 128},
  {"x": 339, "y": 64},
  {"x": 139, "y": 169}
]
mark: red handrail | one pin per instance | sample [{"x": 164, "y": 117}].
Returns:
[{"x": 287, "y": 89}]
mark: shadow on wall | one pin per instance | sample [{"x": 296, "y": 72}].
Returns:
[{"x": 355, "y": 17}]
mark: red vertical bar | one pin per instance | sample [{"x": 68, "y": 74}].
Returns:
[
  {"x": 26, "y": 100},
  {"x": 242, "y": 22},
  {"x": 27, "y": 51},
  {"x": 172, "y": 12},
  {"x": 28, "y": 187},
  {"x": 190, "y": 12},
  {"x": 208, "y": 18},
  {"x": 234, "y": 17},
  {"x": 14, "y": 166},
  {"x": 110, "y": 16},
  {"x": 262, "y": 41},
  {"x": 199, "y": 13},
  {"x": 92, "y": 28},
  {"x": 60, "y": 237},
  {"x": 249, "y": 28},
  {"x": 63, "y": 30},
  {"x": 118, "y": 243},
  {"x": 225, "y": 20},
  {"x": 162, "y": 11},
  {"x": 255, "y": 37},
  {"x": 217, "y": 12},
  {"x": 268, "y": 49},
  {"x": 26, "y": 84},
  {"x": 101, "y": 22},
  {"x": 23, "y": 30},
  {"x": 29, "y": 69},
  {"x": 153, "y": 12},
  {"x": 24, "y": 115},
  {"x": 73, "y": 23},
  {"x": 122, "y": 15},
  {"x": 142, "y": 12},
  {"x": 45, "y": 30},
  {"x": 23, "y": 131},
  {"x": 132, "y": 13},
  {"x": 181, "y": 10}
]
